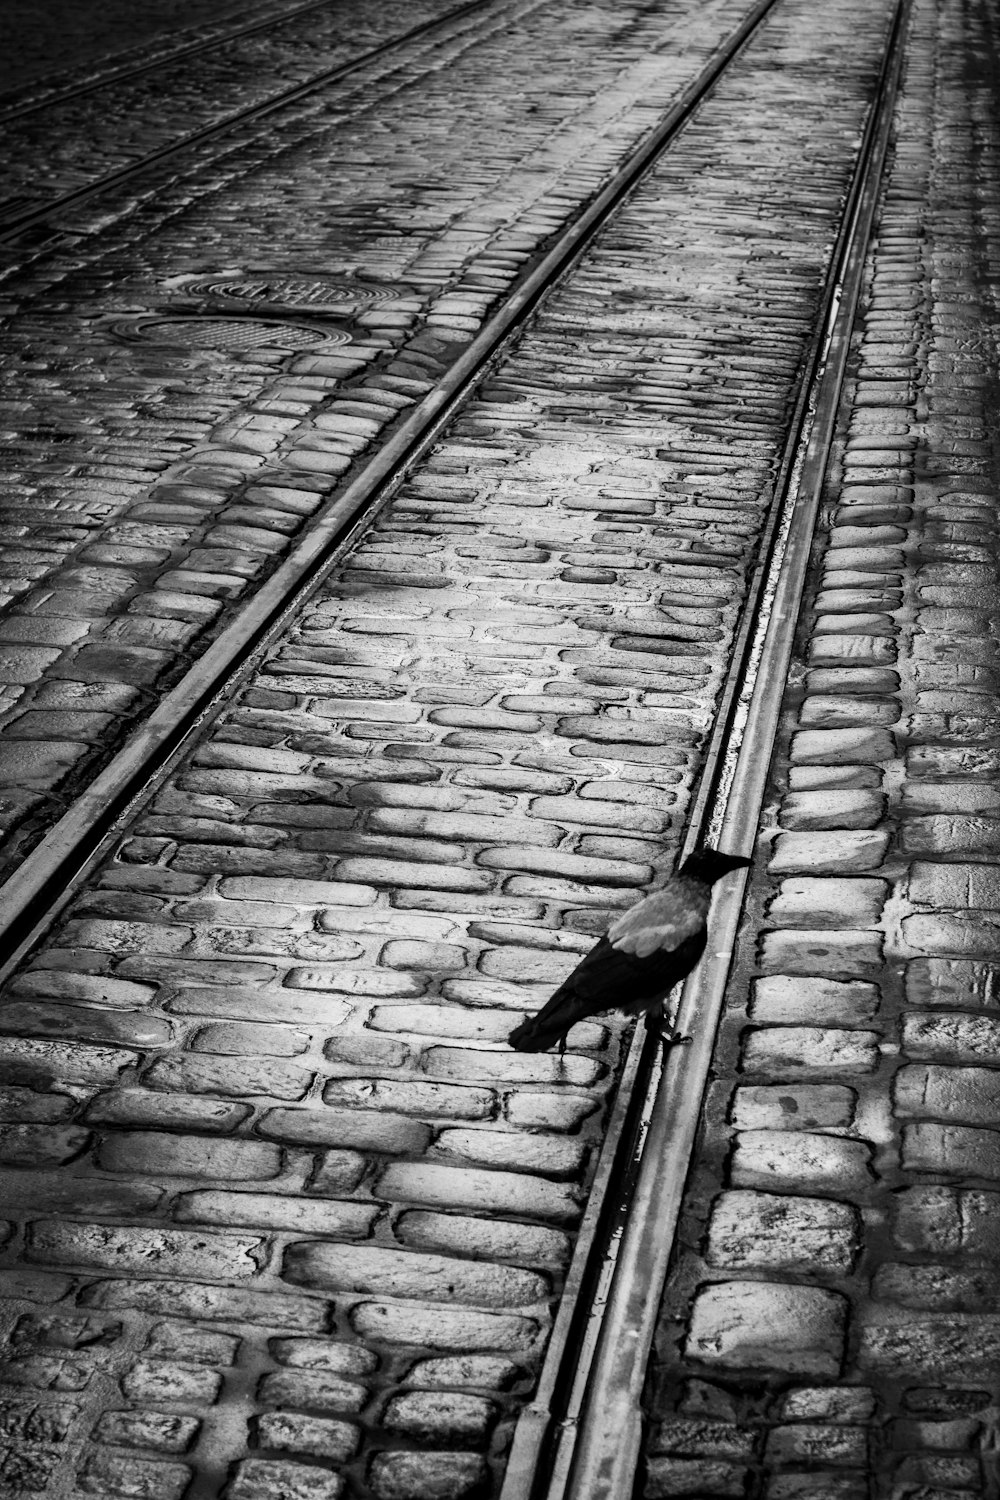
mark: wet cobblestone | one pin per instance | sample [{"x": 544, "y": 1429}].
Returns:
[
  {"x": 150, "y": 489},
  {"x": 884, "y": 785},
  {"x": 383, "y": 854}
]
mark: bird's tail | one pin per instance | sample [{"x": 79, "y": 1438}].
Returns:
[{"x": 539, "y": 1032}]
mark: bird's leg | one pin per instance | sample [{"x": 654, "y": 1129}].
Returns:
[{"x": 657, "y": 1023}]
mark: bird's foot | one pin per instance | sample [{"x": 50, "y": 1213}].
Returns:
[{"x": 667, "y": 1036}]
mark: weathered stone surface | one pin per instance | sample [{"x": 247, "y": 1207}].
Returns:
[
  {"x": 804, "y": 901},
  {"x": 796, "y": 853},
  {"x": 792, "y": 1051},
  {"x": 426, "y": 1476},
  {"x": 800, "y": 1162},
  {"x": 789, "y": 998},
  {"x": 744, "y": 1325},
  {"x": 441, "y": 1328},
  {"x": 807, "y": 951},
  {"x": 399, "y": 1273},
  {"x": 768, "y": 1230},
  {"x": 951, "y": 982},
  {"x": 968, "y": 1095},
  {"x": 956, "y": 1150},
  {"x": 797, "y": 1106}
]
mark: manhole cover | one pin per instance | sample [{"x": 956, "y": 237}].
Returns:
[
  {"x": 226, "y": 333},
  {"x": 280, "y": 289}
]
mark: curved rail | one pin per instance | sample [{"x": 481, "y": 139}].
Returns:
[{"x": 32, "y": 216}]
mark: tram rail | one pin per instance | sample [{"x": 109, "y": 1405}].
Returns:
[
  {"x": 31, "y": 898},
  {"x": 23, "y": 217},
  {"x": 114, "y": 77},
  {"x": 579, "y": 1438}
]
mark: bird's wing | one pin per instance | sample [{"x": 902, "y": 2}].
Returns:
[{"x": 663, "y": 921}]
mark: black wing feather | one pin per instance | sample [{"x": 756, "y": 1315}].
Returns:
[{"x": 606, "y": 978}]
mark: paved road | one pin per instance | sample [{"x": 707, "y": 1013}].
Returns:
[
  {"x": 831, "y": 1326},
  {"x": 151, "y": 488},
  {"x": 285, "y": 1211}
]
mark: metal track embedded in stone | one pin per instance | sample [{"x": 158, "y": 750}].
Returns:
[
  {"x": 48, "y": 873},
  {"x": 21, "y": 220}
]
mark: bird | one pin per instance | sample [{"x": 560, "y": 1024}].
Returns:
[{"x": 645, "y": 952}]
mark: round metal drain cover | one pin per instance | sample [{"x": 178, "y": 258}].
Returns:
[
  {"x": 281, "y": 289},
  {"x": 235, "y": 334}
]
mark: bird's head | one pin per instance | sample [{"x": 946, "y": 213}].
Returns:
[{"x": 710, "y": 865}]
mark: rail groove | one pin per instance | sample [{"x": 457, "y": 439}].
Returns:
[
  {"x": 581, "y": 1438},
  {"x": 33, "y": 896}
]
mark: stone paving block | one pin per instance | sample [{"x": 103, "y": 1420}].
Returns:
[
  {"x": 953, "y": 1149},
  {"x": 967, "y": 1095},
  {"x": 810, "y": 1000},
  {"x": 151, "y": 1107},
  {"x": 401, "y": 1273},
  {"x": 157, "y": 1152},
  {"x": 694, "y": 1476},
  {"x": 793, "y": 1051},
  {"x": 956, "y": 886},
  {"x": 552, "y": 1156},
  {"x": 312, "y": 1390},
  {"x": 366, "y": 1130},
  {"x": 489, "y": 1238},
  {"x": 323, "y": 1436},
  {"x": 952, "y": 982},
  {"x": 427, "y": 1476},
  {"x": 173, "y": 1251},
  {"x": 744, "y": 1325},
  {"x": 805, "y": 951},
  {"x": 805, "y": 901},
  {"x": 817, "y": 1442},
  {"x": 798, "y": 1106},
  {"x": 441, "y": 1328},
  {"x": 202, "y": 1073},
  {"x": 471, "y": 1188},
  {"x": 796, "y": 853},
  {"x": 842, "y": 746},
  {"x": 933, "y": 1347},
  {"x": 123, "y": 1474},
  {"x": 823, "y": 1403},
  {"x": 972, "y": 934},
  {"x": 850, "y": 808},
  {"x": 951, "y": 1037},
  {"x": 160, "y": 1431},
  {"x": 411, "y": 1096},
  {"x": 440, "y": 1418},
  {"x": 266, "y": 1478},
  {"x": 780, "y": 1160},
  {"x": 937, "y": 1287},
  {"x": 768, "y": 1230},
  {"x": 277, "y": 1211}
]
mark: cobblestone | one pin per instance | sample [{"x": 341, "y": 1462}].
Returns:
[
  {"x": 880, "y": 828},
  {"x": 312, "y": 1190}
]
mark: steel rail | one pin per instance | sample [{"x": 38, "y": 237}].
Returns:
[
  {"x": 608, "y": 1438},
  {"x": 32, "y": 897},
  {"x": 125, "y": 73},
  {"x": 16, "y": 225}
]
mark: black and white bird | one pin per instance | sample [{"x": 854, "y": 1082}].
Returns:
[{"x": 647, "y": 950}]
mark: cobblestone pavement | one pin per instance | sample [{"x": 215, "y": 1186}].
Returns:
[
  {"x": 149, "y": 489},
  {"x": 286, "y": 1217},
  {"x": 61, "y": 148},
  {"x": 831, "y": 1327},
  {"x": 59, "y": 39}
]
